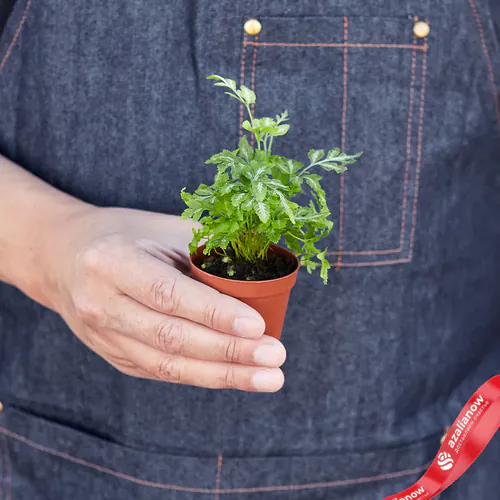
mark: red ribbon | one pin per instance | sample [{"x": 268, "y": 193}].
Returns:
[{"x": 473, "y": 429}]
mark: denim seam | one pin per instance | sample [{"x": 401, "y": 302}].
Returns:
[
  {"x": 405, "y": 260},
  {"x": 339, "y": 45},
  {"x": 242, "y": 79},
  {"x": 16, "y": 35},
  {"x": 252, "y": 81},
  {"x": 417, "y": 178},
  {"x": 408, "y": 145},
  {"x": 407, "y": 170},
  {"x": 220, "y": 491},
  {"x": 254, "y": 68},
  {"x": 419, "y": 157},
  {"x": 342, "y": 140},
  {"x": 218, "y": 477}
]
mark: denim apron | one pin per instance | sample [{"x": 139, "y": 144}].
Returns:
[{"x": 107, "y": 100}]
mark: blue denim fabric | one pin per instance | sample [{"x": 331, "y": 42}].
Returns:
[{"x": 107, "y": 101}]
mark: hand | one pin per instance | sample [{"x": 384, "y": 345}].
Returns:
[{"x": 117, "y": 278}]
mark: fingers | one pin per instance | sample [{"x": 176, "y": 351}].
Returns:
[
  {"x": 139, "y": 360},
  {"x": 181, "y": 337},
  {"x": 209, "y": 374},
  {"x": 168, "y": 291},
  {"x": 149, "y": 320}
]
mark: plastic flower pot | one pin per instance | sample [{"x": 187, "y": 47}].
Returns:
[{"x": 269, "y": 297}]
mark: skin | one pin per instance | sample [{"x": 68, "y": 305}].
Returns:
[{"x": 119, "y": 279}]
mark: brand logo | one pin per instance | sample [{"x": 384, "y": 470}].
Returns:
[
  {"x": 463, "y": 422},
  {"x": 413, "y": 495},
  {"x": 445, "y": 461}
]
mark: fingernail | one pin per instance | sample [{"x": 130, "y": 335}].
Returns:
[
  {"x": 247, "y": 327},
  {"x": 268, "y": 380},
  {"x": 272, "y": 354}
]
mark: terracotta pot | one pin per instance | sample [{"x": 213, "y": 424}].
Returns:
[{"x": 269, "y": 297}]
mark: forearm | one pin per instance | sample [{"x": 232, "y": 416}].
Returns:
[{"x": 29, "y": 209}]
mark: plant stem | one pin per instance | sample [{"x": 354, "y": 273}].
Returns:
[
  {"x": 251, "y": 123},
  {"x": 296, "y": 237},
  {"x": 303, "y": 171}
]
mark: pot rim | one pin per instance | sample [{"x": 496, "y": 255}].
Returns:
[{"x": 252, "y": 282}]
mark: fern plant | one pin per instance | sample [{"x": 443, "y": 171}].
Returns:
[{"x": 251, "y": 202}]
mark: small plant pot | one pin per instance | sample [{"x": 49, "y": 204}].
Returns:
[{"x": 269, "y": 297}]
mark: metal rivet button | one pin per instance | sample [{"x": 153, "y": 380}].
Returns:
[
  {"x": 1, "y": 407},
  {"x": 421, "y": 29},
  {"x": 252, "y": 27}
]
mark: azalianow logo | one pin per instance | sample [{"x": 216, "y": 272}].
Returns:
[{"x": 445, "y": 461}]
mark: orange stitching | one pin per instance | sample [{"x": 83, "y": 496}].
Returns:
[
  {"x": 242, "y": 80},
  {"x": 417, "y": 179},
  {"x": 217, "y": 481},
  {"x": 254, "y": 63},
  {"x": 330, "y": 484},
  {"x": 16, "y": 34},
  {"x": 419, "y": 156},
  {"x": 345, "y": 45},
  {"x": 408, "y": 147},
  {"x": 100, "y": 468},
  {"x": 405, "y": 188},
  {"x": 105, "y": 470},
  {"x": 344, "y": 118},
  {"x": 366, "y": 252},
  {"x": 339, "y": 45},
  {"x": 377, "y": 263},
  {"x": 488, "y": 60}
]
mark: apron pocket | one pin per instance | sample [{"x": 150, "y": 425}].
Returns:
[
  {"x": 43, "y": 460},
  {"x": 357, "y": 83}
]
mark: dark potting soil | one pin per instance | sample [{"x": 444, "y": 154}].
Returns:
[{"x": 275, "y": 266}]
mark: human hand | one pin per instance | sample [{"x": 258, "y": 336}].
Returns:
[{"x": 116, "y": 276}]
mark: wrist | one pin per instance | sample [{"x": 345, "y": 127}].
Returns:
[
  {"x": 65, "y": 232},
  {"x": 40, "y": 265},
  {"x": 34, "y": 213}
]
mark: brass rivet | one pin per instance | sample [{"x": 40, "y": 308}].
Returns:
[
  {"x": 252, "y": 27},
  {"x": 1, "y": 407},
  {"x": 421, "y": 29}
]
